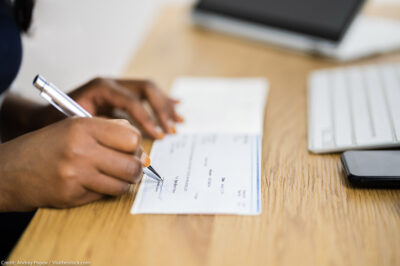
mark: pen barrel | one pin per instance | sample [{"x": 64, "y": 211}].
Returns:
[{"x": 59, "y": 99}]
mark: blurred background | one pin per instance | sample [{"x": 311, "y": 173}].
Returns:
[{"x": 83, "y": 39}]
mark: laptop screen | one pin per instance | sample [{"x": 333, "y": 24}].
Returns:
[{"x": 327, "y": 19}]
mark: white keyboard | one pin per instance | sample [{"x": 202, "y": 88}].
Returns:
[{"x": 354, "y": 108}]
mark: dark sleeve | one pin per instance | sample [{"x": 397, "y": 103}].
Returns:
[
  {"x": 14, "y": 223},
  {"x": 10, "y": 47}
]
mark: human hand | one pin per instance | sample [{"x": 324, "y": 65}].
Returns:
[
  {"x": 101, "y": 96},
  {"x": 69, "y": 163}
]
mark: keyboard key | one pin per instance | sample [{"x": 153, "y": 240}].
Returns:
[
  {"x": 391, "y": 83},
  {"x": 341, "y": 111},
  {"x": 321, "y": 131},
  {"x": 378, "y": 106},
  {"x": 362, "y": 120}
]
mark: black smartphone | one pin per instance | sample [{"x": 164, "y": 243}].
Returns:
[{"x": 376, "y": 169}]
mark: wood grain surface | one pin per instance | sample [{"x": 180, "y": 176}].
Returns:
[{"x": 310, "y": 214}]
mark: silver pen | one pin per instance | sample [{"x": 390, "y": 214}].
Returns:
[{"x": 69, "y": 107}]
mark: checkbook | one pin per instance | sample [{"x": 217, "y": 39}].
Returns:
[{"x": 213, "y": 164}]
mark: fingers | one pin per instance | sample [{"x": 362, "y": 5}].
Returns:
[
  {"x": 113, "y": 161},
  {"x": 119, "y": 142},
  {"x": 120, "y": 97},
  {"x": 117, "y": 134},
  {"x": 88, "y": 197},
  {"x": 163, "y": 108},
  {"x": 176, "y": 117},
  {"x": 162, "y": 105},
  {"x": 106, "y": 185},
  {"x": 123, "y": 166},
  {"x": 105, "y": 95},
  {"x": 174, "y": 101},
  {"x": 137, "y": 111}
]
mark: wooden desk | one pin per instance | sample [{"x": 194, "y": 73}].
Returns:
[{"x": 310, "y": 215}]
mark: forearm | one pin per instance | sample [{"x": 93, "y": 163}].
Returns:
[
  {"x": 20, "y": 115},
  {"x": 7, "y": 202},
  {"x": 11, "y": 187}
]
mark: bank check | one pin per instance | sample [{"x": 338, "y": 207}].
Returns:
[{"x": 213, "y": 164}]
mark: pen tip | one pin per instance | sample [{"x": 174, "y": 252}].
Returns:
[{"x": 155, "y": 172}]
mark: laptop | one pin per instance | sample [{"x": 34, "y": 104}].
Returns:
[{"x": 324, "y": 27}]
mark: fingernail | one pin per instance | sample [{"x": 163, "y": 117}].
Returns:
[
  {"x": 175, "y": 101},
  {"x": 180, "y": 118},
  {"x": 171, "y": 128},
  {"x": 160, "y": 133},
  {"x": 145, "y": 160}
]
